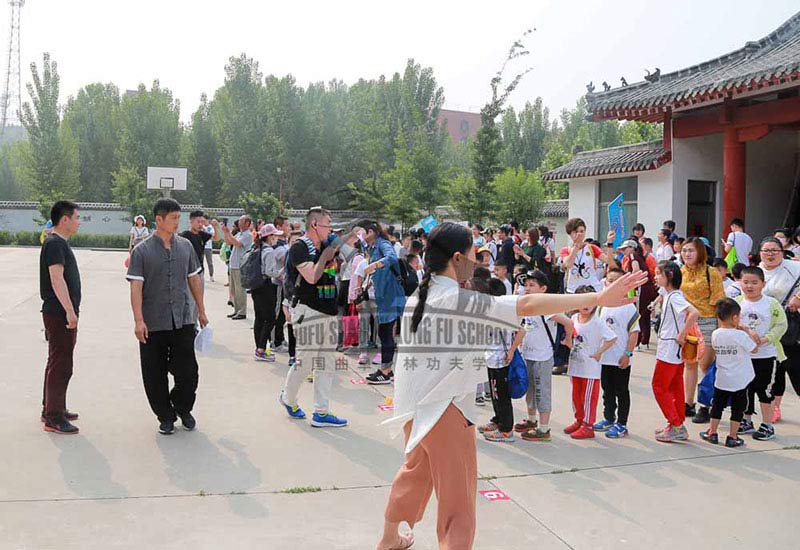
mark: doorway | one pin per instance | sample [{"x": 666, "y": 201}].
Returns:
[{"x": 701, "y": 220}]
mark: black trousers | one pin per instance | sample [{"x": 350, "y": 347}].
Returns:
[
  {"x": 386, "y": 334},
  {"x": 58, "y": 372},
  {"x": 501, "y": 399},
  {"x": 738, "y": 401},
  {"x": 761, "y": 385},
  {"x": 280, "y": 318},
  {"x": 791, "y": 367},
  {"x": 264, "y": 300},
  {"x": 169, "y": 352},
  {"x": 616, "y": 394}
]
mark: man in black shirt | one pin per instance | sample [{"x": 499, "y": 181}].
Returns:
[
  {"x": 197, "y": 235},
  {"x": 506, "y": 254},
  {"x": 311, "y": 271},
  {"x": 60, "y": 289}
]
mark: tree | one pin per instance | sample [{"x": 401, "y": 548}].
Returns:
[
  {"x": 468, "y": 198},
  {"x": 12, "y": 183},
  {"x": 488, "y": 144},
  {"x": 264, "y": 206},
  {"x": 150, "y": 129},
  {"x": 239, "y": 120},
  {"x": 518, "y": 195},
  {"x": 129, "y": 189},
  {"x": 51, "y": 159},
  {"x": 203, "y": 157},
  {"x": 93, "y": 118}
]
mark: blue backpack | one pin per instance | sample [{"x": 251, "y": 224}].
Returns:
[{"x": 517, "y": 373}]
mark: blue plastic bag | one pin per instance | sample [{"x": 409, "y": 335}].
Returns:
[
  {"x": 705, "y": 389},
  {"x": 517, "y": 376}
]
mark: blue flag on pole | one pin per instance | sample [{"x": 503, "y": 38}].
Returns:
[
  {"x": 428, "y": 223},
  {"x": 616, "y": 219}
]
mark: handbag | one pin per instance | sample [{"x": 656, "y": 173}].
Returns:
[
  {"x": 517, "y": 373},
  {"x": 350, "y": 327},
  {"x": 792, "y": 335}
]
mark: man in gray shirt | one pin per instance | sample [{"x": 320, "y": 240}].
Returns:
[
  {"x": 239, "y": 244},
  {"x": 164, "y": 273}
]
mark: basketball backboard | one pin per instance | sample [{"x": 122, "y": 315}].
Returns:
[{"x": 173, "y": 179}]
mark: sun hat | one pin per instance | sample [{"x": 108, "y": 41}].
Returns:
[
  {"x": 630, "y": 243},
  {"x": 268, "y": 229}
]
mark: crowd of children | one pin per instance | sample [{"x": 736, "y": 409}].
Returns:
[{"x": 745, "y": 347}]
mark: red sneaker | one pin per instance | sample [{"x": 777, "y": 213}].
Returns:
[
  {"x": 584, "y": 432},
  {"x": 573, "y": 427}
]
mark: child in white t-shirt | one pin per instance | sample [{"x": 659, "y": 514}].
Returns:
[
  {"x": 732, "y": 345},
  {"x": 677, "y": 315},
  {"x": 591, "y": 339},
  {"x": 498, "y": 356},
  {"x": 537, "y": 338},
  {"x": 766, "y": 317},
  {"x": 616, "y": 362}
]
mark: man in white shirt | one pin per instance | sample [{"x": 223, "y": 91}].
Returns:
[
  {"x": 239, "y": 245},
  {"x": 739, "y": 240}
]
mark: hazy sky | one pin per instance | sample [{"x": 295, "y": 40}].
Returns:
[{"x": 186, "y": 43}]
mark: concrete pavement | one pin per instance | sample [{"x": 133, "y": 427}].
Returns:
[{"x": 241, "y": 480}]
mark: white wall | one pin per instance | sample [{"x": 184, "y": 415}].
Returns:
[
  {"x": 654, "y": 199},
  {"x": 771, "y": 163},
  {"x": 698, "y": 158},
  {"x": 583, "y": 199}
]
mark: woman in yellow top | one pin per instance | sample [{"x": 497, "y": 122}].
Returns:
[{"x": 702, "y": 287}]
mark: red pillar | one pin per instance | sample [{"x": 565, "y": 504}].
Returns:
[{"x": 733, "y": 177}]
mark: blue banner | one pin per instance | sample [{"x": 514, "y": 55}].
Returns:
[
  {"x": 616, "y": 219},
  {"x": 428, "y": 223}
]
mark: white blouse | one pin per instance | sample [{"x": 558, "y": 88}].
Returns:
[{"x": 444, "y": 360}]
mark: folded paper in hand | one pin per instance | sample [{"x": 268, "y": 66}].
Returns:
[{"x": 204, "y": 340}]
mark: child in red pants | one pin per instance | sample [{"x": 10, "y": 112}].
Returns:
[
  {"x": 676, "y": 316},
  {"x": 590, "y": 340}
]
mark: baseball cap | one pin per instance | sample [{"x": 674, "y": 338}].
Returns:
[{"x": 269, "y": 229}]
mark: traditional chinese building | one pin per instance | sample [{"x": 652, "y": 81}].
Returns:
[{"x": 730, "y": 145}]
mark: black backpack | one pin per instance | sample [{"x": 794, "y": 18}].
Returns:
[
  {"x": 251, "y": 275},
  {"x": 408, "y": 277}
]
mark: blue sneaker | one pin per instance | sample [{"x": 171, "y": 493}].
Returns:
[
  {"x": 602, "y": 426},
  {"x": 294, "y": 412},
  {"x": 616, "y": 431},
  {"x": 327, "y": 421}
]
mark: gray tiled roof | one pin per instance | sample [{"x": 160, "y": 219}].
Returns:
[
  {"x": 556, "y": 208},
  {"x": 614, "y": 160},
  {"x": 771, "y": 61}
]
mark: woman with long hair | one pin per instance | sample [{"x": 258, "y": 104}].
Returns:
[
  {"x": 390, "y": 298},
  {"x": 703, "y": 288},
  {"x": 436, "y": 384}
]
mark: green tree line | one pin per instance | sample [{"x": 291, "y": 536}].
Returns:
[{"x": 374, "y": 145}]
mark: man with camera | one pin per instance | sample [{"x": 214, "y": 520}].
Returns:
[{"x": 311, "y": 270}]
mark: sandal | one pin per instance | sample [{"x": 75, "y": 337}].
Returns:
[{"x": 406, "y": 542}]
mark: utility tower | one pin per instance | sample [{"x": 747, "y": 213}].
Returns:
[{"x": 12, "y": 86}]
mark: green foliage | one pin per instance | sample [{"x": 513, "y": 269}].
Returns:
[
  {"x": 130, "y": 191},
  {"x": 27, "y": 238},
  {"x": 518, "y": 195},
  {"x": 264, "y": 206},
  {"x": 150, "y": 130},
  {"x": 93, "y": 117},
  {"x": 6, "y": 237},
  {"x": 80, "y": 240},
  {"x": 12, "y": 176},
  {"x": 50, "y": 162},
  {"x": 467, "y": 198}
]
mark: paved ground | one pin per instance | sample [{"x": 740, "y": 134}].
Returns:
[{"x": 120, "y": 484}]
